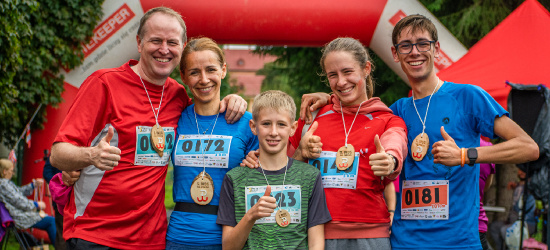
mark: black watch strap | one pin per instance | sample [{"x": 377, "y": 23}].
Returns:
[{"x": 472, "y": 156}]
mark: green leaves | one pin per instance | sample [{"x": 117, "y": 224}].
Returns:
[{"x": 37, "y": 37}]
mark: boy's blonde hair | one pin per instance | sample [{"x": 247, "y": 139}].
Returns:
[
  {"x": 4, "y": 165},
  {"x": 274, "y": 99}
]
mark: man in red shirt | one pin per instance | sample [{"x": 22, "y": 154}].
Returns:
[{"x": 119, "y": 133}]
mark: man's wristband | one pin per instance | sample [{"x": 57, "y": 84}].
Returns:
[{"x": 391, "y": 211}]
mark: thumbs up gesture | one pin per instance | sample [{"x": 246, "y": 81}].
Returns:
[
  {"x": 311, "y": 145},
  {"x": 264, "y": 207},
  {"x": 382, "y": 164},
  {"x": 446, "y": 152},
  {"x": 105, "y": 156}
]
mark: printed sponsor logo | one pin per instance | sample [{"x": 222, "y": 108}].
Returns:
[{"x": 108, "y": 28}]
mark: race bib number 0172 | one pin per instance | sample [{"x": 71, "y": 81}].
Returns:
[
  {"x": 203, "y": 150},
  {"x": 145, "y": 154},
  {"x": 425, "y": 200}
]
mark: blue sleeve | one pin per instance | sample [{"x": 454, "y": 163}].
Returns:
[{"x": 483, "y": 109}]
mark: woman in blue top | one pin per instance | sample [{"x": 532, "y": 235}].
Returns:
[{"x": 207, "y": 147}]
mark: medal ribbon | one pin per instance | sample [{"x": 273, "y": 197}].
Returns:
[
  {"x": 344, "y": 121},
  {"x": 426, "y": 115},
  {"x": 152, "y": 108},
  {"x": 209, "y": 137},
  {"x": 284, "y": 179}
]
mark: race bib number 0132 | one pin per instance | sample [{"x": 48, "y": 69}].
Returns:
[
  {"x": 288, "y": 198},
  {"x": 331, "y": 176},
  {"x": 425, "y": 200},
  {"x": 145, "y": 154}
]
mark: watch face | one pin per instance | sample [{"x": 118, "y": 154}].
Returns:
[{"x": 472, "y": 153}]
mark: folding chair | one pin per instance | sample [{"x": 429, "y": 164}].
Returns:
[{"x": 9, "y": 226}]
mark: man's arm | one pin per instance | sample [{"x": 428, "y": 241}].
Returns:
[
  {"x": 235, "y": 106},
  {"x": 518, "y": 147},
  {"x": 316, "y": 237},
  {"x": 68, "y": 157},
  {"x": 312, "y": 102}
]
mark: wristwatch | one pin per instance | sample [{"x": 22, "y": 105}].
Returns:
[{"x": 472, "y": 156}]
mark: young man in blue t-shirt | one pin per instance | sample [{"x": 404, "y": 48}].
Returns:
[{"x": 439, "y": 199}]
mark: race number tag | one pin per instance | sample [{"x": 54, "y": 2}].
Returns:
[
  {"x": 145, "y": 154},
  {"x": 189, "y": 151},
  {"x": 331, "y": 176},
  {"x": 425, "y": 200},
  {"x": 291, "y": 197}
]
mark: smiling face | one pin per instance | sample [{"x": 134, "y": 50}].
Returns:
[
  {"x": 346, "y": 77},
  {"x": 160, "y": 48},
  {"x": 203, "y": 75},
  {"x": 273, "y": 128},
  {"x": 418, "y": 66}
]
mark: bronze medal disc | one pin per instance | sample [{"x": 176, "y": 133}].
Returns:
[
  {"x": 345, "y": 157},
  {"x": 157, "y": 139},
  {"x": 202, "y": 189},
  {"x": 282, "y": 217},
  {"x": 419, "y": 146}
]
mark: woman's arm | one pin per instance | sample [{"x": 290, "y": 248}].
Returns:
[{"x": 12, "y": 196}]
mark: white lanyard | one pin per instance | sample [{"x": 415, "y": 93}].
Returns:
[{"x": 426, "y": 115}]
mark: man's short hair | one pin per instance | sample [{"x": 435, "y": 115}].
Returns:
[
  {"x": 274, "y": 99},
  {"x": 416, "y": 22},
  {"x": 164, "y": 10}
]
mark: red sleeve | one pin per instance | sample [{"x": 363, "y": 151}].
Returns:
[
  {"x": 87, "y": 114},
  {"x": 394, "y": 140}
]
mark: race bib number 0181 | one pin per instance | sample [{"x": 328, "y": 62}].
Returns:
[
  {"x": 190, "y": 149},
  {"x": 331, "y": 176},
  {"x": 145, "y": 154},
  {"x": 425, "y": 200},
  {"x": 288, "y": 198}
]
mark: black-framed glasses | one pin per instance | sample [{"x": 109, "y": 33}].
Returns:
[{"x": 406, "y": 48}]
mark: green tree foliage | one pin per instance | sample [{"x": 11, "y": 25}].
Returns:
[{"x": 37, "y": 38}]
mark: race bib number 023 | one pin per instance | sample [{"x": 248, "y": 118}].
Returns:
[
  {"x": 425, "y": 200},
  {"x": 331, "y": 176},
  {"x": 291, "y": 196},
  {"x": 190, "y": 149},
  {"x": 145, "y": 155}
]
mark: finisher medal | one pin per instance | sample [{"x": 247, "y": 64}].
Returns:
[
  {"x": 282, "y": 217},
  {"x": 202, "y": 189},
  {"x": 345, "y": 157},
  {"x": 157, "y": 139}
]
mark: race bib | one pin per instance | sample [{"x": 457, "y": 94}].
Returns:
[
  {"x": 425, "y": 200},
  {"x": 331, "y": 176},
  {"x": 291, "y": 196},
  {"x": 145, "y": 154},
  {"x": 190, "y": 148}
]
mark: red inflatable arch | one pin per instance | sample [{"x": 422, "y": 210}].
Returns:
[{"x": 266, "y": 22}]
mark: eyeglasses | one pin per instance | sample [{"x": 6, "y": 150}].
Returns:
[{"x": 406, "y": 48}]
